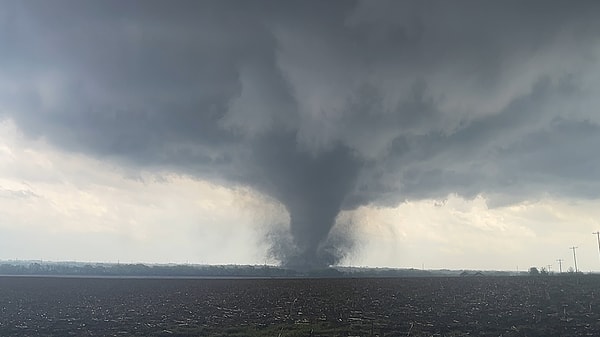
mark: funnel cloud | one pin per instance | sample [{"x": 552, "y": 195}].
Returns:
[
  {"x": 324, "y": 106},
  {"x": 313, "y": 189}
]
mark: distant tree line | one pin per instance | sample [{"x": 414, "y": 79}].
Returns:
[
  {"x": 143, "y": 270},
  {"x": 534, "y": 271},
  {"x": 187, "y": 270}
]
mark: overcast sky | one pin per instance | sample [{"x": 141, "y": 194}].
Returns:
[{"x": 383, "y": 133}]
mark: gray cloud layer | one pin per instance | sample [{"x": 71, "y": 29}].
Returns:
[{"x": 322, "y": 105}]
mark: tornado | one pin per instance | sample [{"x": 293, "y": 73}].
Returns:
[{"x": 313, "y": 188}]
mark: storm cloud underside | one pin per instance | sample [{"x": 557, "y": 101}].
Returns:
[{"x": 324, "y": 106}]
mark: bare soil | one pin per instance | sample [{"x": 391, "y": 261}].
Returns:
[{"x": 470, "y": 306}]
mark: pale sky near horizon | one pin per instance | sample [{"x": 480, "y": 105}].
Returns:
[{"x": 398, "y": 134}]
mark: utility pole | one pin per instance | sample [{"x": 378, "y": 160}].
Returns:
[
  {"x": 560, "y": 264},
  {"x": 549, "y": 266},
  {"x": 574, "y": 257},
  {"x": 598, "y": 236}
]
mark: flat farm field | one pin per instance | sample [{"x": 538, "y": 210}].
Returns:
[{"x": 470, "y": 306}]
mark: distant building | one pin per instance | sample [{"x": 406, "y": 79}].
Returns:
[{"x": 468, "y": 274}]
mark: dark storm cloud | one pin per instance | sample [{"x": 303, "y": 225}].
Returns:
[{"x": 322, "y": 105}]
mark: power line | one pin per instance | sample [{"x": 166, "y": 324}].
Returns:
[
  {"x": 560, "y": 264},
  {"x": 598, "y": 236},
  {"x": 574, "y": 257}
]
